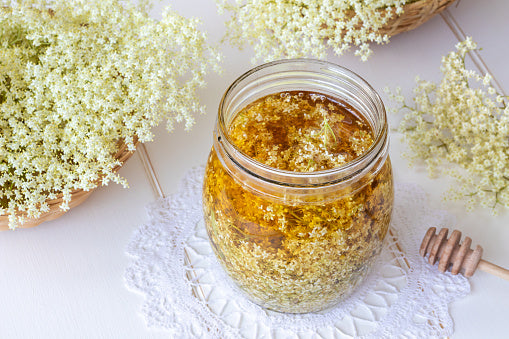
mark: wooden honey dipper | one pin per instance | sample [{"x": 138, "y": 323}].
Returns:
[{"x": 459, "y": 258}]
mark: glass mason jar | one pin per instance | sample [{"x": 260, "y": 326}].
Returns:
[{"x": 298, "y": 242}]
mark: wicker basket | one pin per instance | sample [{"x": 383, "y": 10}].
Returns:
[
  {"x": 414, "y": 15},
  {"x": 77, "y": 197}
]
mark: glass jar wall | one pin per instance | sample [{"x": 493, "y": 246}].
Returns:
[{"x": 298, "y": 187}]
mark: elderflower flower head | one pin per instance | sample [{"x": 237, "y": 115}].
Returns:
[
  {"x": 461, "y": 127},
  {"x": 77, "y": 77},
  {"x": 291, "y": 29}
]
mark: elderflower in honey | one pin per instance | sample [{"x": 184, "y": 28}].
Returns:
[{"x": 298, "y": 187}]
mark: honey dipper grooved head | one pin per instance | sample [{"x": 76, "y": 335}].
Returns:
[{"x": 449, "y": 253}]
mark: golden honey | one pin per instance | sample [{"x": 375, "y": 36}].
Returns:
[{"x": 297, "y": 244}]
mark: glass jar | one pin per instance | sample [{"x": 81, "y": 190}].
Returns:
[{"x": 298, "y": 241}]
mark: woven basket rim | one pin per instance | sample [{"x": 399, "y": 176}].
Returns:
[
  {"x": 414, "y": 14},
  {"x": 77, "y": 196}
]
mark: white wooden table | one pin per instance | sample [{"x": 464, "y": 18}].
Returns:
[{"x": 64, "y": 279}]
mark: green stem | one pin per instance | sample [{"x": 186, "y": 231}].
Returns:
[{"x": 330, "y": 130}]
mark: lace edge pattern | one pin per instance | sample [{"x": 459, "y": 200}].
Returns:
[{"x": 187, "y": 294}]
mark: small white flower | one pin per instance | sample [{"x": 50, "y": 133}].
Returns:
[
  {"x": 462, "y": 120},
  {"x": 291, "y": 29},
  {"x": 76, "y": 79}
]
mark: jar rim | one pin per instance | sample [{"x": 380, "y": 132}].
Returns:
[{"x": 334, "y": 175}]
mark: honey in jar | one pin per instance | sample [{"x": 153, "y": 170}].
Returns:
[{"x": 298, "y": 187}]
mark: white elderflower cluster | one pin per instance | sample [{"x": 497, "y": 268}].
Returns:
[
  {"x": 299, "y": 28},
  {"x": 77, "y": 77},
  {"x": 460, "y": 127}
]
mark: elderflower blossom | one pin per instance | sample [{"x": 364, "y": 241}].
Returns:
[
  {"x": 291, "y": 29},
  {"x": 77, "y": 77},
  {"x": 463, "y": 122}
]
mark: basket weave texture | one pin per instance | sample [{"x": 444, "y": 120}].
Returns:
[
  {"x": 77, "y": 197},
  {"x": 414, "y": 14}
]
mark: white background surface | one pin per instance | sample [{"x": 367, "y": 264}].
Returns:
[{"x": 64, "y": 279}]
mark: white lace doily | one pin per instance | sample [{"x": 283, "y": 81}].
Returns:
[{"x": 187, "y": 293}]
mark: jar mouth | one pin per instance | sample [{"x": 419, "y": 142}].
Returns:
[{"x": 302, "y": 74}]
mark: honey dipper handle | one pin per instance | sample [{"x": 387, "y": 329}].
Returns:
[{"x": 490, "y": 268}]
